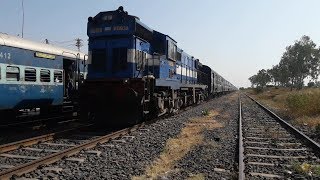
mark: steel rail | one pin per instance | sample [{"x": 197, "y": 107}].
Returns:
[
  {"x": 308, "y": 140},
  {"x": 241, "y": 175},
  {"x": 31, "y": 141},
  {"x": 31, "y": 121},
  {"x": 25, "y": 168}
]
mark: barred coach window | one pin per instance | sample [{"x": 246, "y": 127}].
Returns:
[
  {"x": 57, "y": 76},
  {"x": 45, "y": 75},
  {"x": 13, "y": 73},
  {"x": 30, "y": 74}
]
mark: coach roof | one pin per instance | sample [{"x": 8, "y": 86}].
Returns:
[{"x": 13, "y": 41}]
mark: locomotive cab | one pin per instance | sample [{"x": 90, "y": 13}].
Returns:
[{"x": 119, "y": 47}]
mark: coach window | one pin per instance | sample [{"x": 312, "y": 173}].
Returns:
[
  {"x": 13, "y": 73},
  {"x": 57, "y": 76},
  {"x": 45, "y": 75},
  {"x": 30, "y": 74}
]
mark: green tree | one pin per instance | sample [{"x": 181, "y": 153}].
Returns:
[
  {"x": 314, "y": 69},
  {"x": 253, "y": 80},
  {"x": 275, "y": 74},
  {"x": 283, "y": 72},
  {"x": 261, "y": 79},
  {"x": 300, "y": 60}
]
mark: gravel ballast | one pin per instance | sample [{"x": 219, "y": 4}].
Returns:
[{"x": 130, "y": 156}]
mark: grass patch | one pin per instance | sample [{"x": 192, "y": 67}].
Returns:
[
  {"x": 304, "y": 103},
  {"x": 197, "y": 177},
  {"x": 205, "y": 112},
  {"x": 177, "y": 148},
  {"x": 309, "y": 121},
  {"x": 306, "y": 168},
  {"x": 303, "y": 106}
]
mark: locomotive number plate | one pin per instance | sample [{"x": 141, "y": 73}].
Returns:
[{"x": 120, "y": 28}]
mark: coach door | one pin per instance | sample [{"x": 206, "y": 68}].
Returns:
[{"x": 69, "y": 68}]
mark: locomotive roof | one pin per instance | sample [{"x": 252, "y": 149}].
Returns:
[{"x": 14, "y": 41}]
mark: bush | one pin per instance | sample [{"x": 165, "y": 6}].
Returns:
[
  {"x": 258, "y": 90},
  {"x": 205, "y": 112},
  {"x": 304, "y": 103},
  {"x": 311, "y": 84}
]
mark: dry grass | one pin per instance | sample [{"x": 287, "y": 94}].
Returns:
[
  {"x": 233, "y": 97},
  {"x": 275, "y": 98},
  {"x": 197, "y": 177},
  {"x": 304, "y": 103},
  {"x": 177, "y": 148},
  {"x": 306, "y": 168},
  {"x": 308, "y": 121},
  {"x": 303, "y": 106}
]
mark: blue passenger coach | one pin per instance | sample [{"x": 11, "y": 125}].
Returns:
[{"x": 37, "y": 75}]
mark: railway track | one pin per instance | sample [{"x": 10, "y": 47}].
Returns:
[
  {"x": 17, "y": 131},
  {"x": 24, "y": 156},
  {"x": 27, "y": 155},
  {"x": 269, "y": 147}
]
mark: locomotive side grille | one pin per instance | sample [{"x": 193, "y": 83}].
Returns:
[
  {"x": 45, "y": 75},
  {"x": 30, "y": 74}
]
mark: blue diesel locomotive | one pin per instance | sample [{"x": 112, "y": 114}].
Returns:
[
  {"x": 37, "y": 75},
  {"x": 136, "y": 71}
]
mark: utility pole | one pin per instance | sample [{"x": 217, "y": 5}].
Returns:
[
  {"x": 22, "y": 17},
  {"x": 79, "y": 43}
]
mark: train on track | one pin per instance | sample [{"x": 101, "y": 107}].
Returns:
[
  {"x": 38, "y": 76},
  {"x": 138, "y": 72}
]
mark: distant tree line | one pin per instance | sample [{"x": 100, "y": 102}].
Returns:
[{"x": 299, "y": 61}]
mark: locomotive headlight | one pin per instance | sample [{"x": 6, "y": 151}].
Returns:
[{"x": 107, "y": 18}]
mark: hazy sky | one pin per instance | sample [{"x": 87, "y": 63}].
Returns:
[{"x": 235, "y": 38}]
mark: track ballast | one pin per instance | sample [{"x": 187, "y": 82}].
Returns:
[{"x": 272, "y": 148}]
